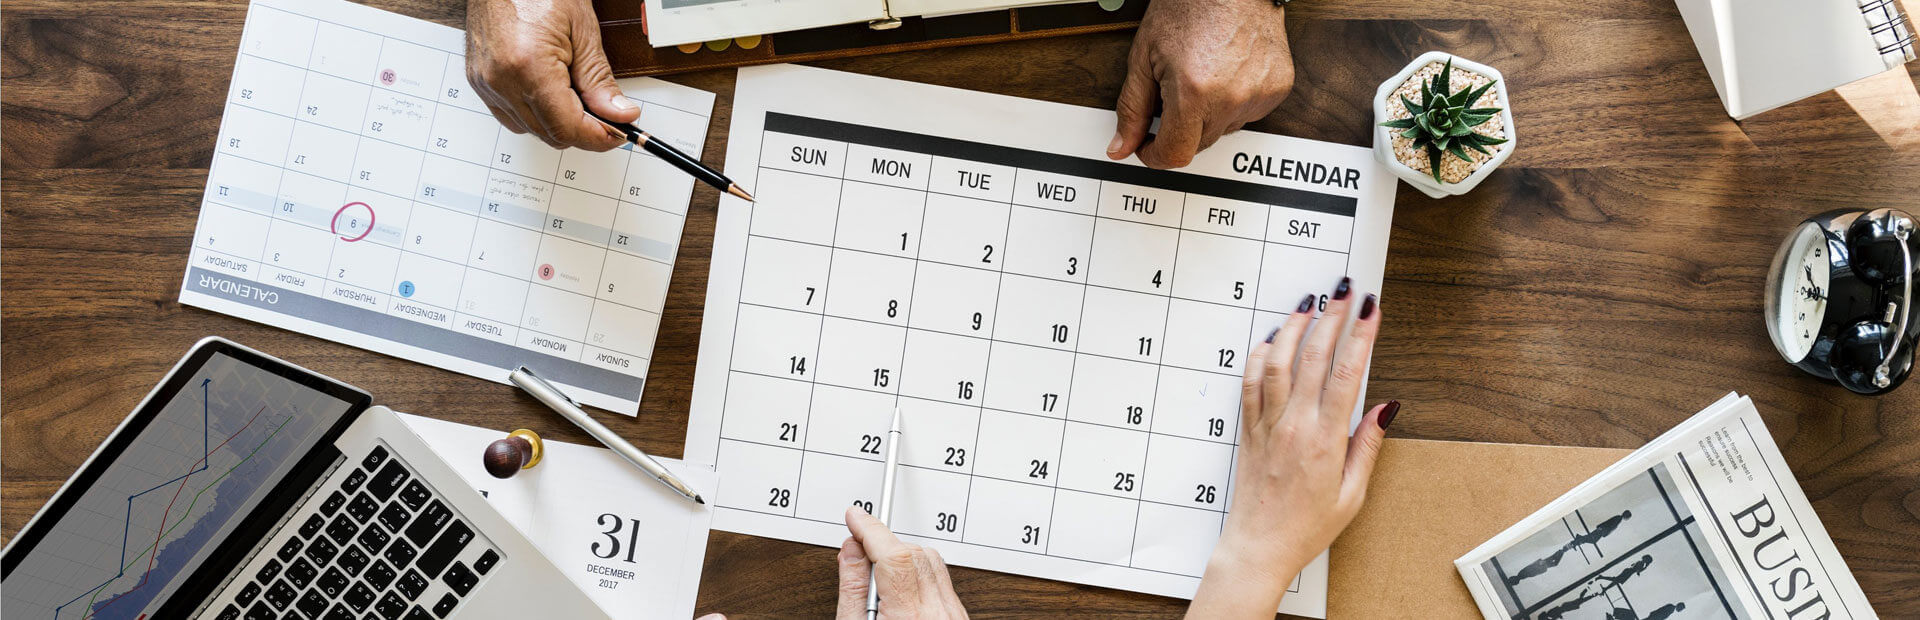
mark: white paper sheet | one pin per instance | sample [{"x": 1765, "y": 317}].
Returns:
[
  {"x": 631, "y": 544},
  {"x": 1064, "y": 334},
  {"x": 361, "y": 192}
]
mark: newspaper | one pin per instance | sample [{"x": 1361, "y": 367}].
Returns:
[{"x": 1704, "y": 522}]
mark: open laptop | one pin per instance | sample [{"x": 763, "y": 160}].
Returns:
[{"x": 245, "y": 487}]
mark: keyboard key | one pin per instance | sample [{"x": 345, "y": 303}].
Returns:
[
  {"x": 395, "y": 517},
  {"x": 331, "y": 584},
  {"x": 230, "y": 613},
  {"x": 301, "y": 573},
  {"x": 461, "y": 579},
  {"x": 390, "y": 607},
  {"x": 322, "y": 552},
  {"x": 362, "y": 507},
  {"x": 260, "y": 611},
  {"x": 445, "y": 606},
  {"x": 339, "y": 612},
  {"x": 312, "y": 604},
  {"x": 448, "y": 546},
  {"x": 415, "y": 494},
  {"x": 289, "y": 550},
  {"x": 388, "y": 480},
  {"x": 354, "y": 559},
  {"x": 341, "y": 530},
  {"x": 354, "y": 480},
  {"x": 374, "y": 539},
  {"x": 281, "y": 595},
  {"x": 429, "y": 523},
  {"x": 247, "y": 592},
  {"x": 486, "y": 561},
  {"x": 333, "y": 503},
  {"x": 358, "y": 597},
  {"x": 268, "y": 571},
  {"x": 400, "y": 554},
  {"x": 381, "y": 575},
  {"x": 418, "y": 614},
  {"x": 374, "y": 459},
  {"x": 411, "y": 585},
  {"x": 312, "y": 526}
]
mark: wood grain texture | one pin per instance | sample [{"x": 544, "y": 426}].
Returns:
[{"x": 1597, "y": 290}]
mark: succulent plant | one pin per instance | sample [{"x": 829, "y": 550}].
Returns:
[{"x": 1442, "y": 123}]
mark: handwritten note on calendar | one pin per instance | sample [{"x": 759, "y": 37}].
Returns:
[{"x": 360, "y": 191}]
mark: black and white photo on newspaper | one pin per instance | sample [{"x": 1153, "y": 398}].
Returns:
[
  {"x": 1635, "y": 553},
  {"x": 1703, "y": 523}
]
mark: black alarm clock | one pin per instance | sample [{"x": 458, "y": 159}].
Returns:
[{"x": 1839, "y": 298}]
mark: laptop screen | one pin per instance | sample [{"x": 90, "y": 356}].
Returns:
[{"x": 206, "y": 454}]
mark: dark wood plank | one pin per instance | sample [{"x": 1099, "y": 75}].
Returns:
[{"x": 1596, "y": 292}]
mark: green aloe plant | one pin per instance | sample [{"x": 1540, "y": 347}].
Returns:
[{"x": 1442, "y": 123}]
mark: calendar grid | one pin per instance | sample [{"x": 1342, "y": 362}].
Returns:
[
  {"x": 437, "y": 105},
  {"x": 430, "y": 204},
  {"x": 1053, "y": 279},
  {"x": 461, "y": 293},
  {"x": 980, "y": 414},
  {"x": 960, "y": 542},
  {"x": 1146, "y": 455},
  {"x": 418, "y": 177},
  {"x": 1066, "y": 417},
  {"x": 992, "y": 409},
  {"x": 1057, "y": 210},
  {"x": 1253, "y": 322},
  {"x": 806, "y": 424},
  {"x": 320, "y": 111},
  {"x": 850, "y": 241},
  {"x": 401, "y": 247},
  {"x": 279, "y": 182}
]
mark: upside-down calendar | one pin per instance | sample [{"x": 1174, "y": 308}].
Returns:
[
  {"x": 362, "y": 192},
  {"x": 1063, "y": 334}
]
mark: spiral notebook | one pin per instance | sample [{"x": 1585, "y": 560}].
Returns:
[{"x": 1763, "y": 54}]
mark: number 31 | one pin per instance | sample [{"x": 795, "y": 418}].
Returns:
[{"x": 613, "y": 537}]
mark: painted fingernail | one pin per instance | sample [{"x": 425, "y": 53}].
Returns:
[
  {"x": 1387, "y": 413},
  {"x": 1343, "y": 289},
  {"x": 1271, "y": 334},
  {"x": 1305, "y": 304},
  {"x": 1366, "y": 306},
  {"x": 1114, "y": 146}
]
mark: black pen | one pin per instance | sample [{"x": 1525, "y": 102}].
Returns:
[{"x": 679, "y": 160}]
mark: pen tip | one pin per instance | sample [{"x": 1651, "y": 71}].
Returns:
[
  {"x": 697, "y": 500},
  {"x": 736, "y": 191}
]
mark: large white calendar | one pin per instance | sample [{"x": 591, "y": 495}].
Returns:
[
  {"x": 361, "y": 192},
  {"x": 1064, "y": 334}
]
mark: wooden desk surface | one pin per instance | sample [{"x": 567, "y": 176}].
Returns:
[{"x": 1598, "y": 289}]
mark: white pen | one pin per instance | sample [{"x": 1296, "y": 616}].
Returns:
[
  {"x": 558, "y": 401},
  {"x": 886, "y": 506}
]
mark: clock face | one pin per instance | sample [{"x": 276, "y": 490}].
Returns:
[{"x": 1797, "y": 291}]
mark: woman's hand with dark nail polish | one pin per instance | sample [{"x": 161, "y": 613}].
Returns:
[{"x": 1299, "y": 478}]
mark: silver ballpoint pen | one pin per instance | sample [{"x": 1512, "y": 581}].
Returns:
[
  {"x": 558, "y": 401},
  {"x": 886, "y": 506}
]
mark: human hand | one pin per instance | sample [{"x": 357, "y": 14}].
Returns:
[
  {"x": 912, "y": 579},
  {"x": 1299, "y": 478},
  {"x": 1210, "y": 66},
  {"x": 534, "y": 61}
]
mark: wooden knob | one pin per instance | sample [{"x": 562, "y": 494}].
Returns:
[{"x": 518, "y": 450}]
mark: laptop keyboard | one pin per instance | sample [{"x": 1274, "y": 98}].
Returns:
[{"x": 380, "y": 546}]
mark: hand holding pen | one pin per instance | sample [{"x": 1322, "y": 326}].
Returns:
[
  {"x": 912, "y": 580},
  {"x": 686, "y": 163}
]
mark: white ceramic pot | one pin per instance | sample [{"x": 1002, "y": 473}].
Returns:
[{"x": 1383, "y": 136}]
